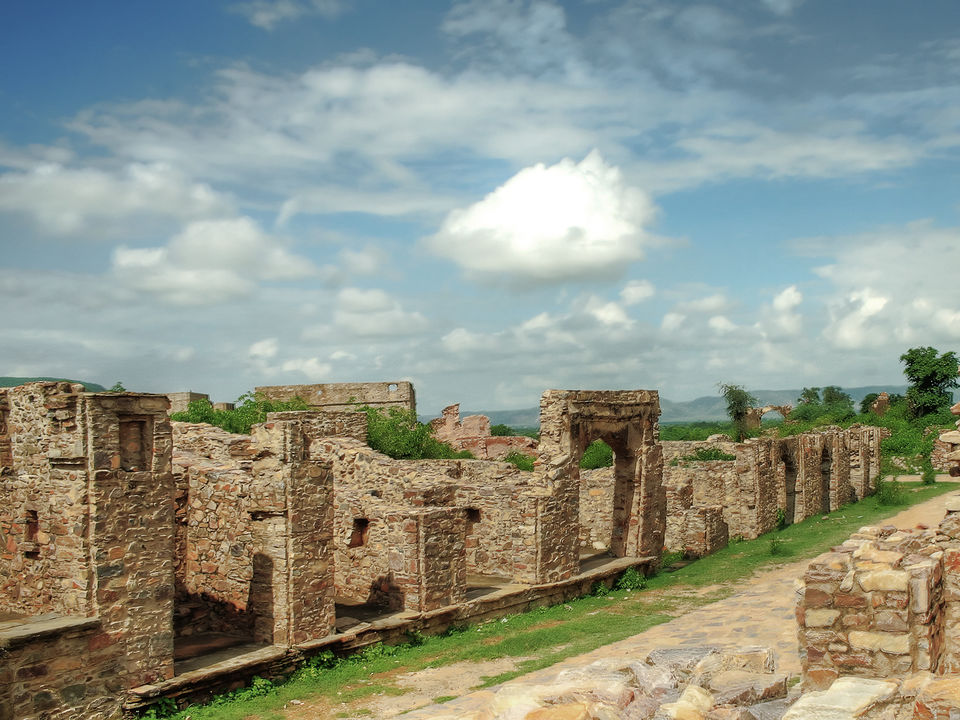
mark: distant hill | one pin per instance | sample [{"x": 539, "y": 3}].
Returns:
[
  {"x": 708, "y": 407},
  {"x": 14, "y": 381}
]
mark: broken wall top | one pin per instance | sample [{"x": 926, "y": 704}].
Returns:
[{"x": 346, "y": 396}]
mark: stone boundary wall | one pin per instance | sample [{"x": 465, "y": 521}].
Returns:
[
  {"x": 180, "y": 401},
  {"x": 885, "y": 603},
  {"x": 346, "y": 396}
]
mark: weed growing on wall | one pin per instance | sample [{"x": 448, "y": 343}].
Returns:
[{"x": 520, "y": 460}]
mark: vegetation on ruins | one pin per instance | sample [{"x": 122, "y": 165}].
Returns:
[
  {"x": 520, "y": 460},
  {"x": 501, "y": 430},
  {"x": 700, "y": 430},
  {"x": 250, "y": 409},
  {"x": 827, "y": 407},
  {"x": 931, "y": 377},
  {"x": 396, "y": 432},
  {"x": 547, "y": 635},
  {"x": 739, "y": 402},
  {"x": 597, "y": 455}
]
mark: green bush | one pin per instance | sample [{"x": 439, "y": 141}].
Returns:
[
  {"x": 520, "y": 460},
  {"x": 397, "y": 432},
  {"x": 781, "y": 518},
  {"x": 250, "y": 409},
  {"x": 890, "y": 492},
  {"x": 699, "y": 430},
  {"x": 501, "y": 430},
  {"x": 632, "y": 579},
  {"x": 597, "y": 455},
  {"x": 928, "y": 475}
]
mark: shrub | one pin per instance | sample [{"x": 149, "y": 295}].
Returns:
[
  {"x": 699, "y": 430},
  {"x": 777, "y": 546},
  {"x": 890, "y": 492},
  {"x": 597, "y": 455},
  {"x": 781, "y": 518},
  {"x": 739, "y": 401},
  {"x": 928, "y": 475},
  {"x": 397, "y": 432},
  {"x": 931, "y": 377},
  {"x": 520, "y": 460},
  {"x": 632, "y": 579},
  {"x": 501, "y": 430},
  {"x": 250, "y": 409}
]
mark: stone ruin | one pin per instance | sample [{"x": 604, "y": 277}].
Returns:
[
  {"x": 473, "y": 433},
  {"x": 946, "y": 449},
  {"x": 884, "y": 607},
  {"x": 710, "y": 502},
  {"x": 132, "y": 548},
  {"x": 346, "y": 396},
  {"x": 754, "y": 416}
]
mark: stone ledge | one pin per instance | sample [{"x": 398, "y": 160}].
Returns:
[{"x": 39, "y": 627}]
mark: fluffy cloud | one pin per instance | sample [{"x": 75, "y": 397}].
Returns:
[
  {"x": 64, "y": 200},
  {"x": 373, "y": 313},
  {"x": 551, "y": 224},
  {"x": 210, "y": 261},
  {"x": 267, "y": 14}
]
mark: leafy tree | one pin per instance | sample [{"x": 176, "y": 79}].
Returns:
[
  {"x": 117, "y": 387},
  {"x": 931, "y": 377},
  {"x": 809, "y": 395},
  {"x": 501, "y": 430},
  {"x": 833, "y": 395},
  {"x": 867, "y": 401},
  {"x": 739, "y": 401}
]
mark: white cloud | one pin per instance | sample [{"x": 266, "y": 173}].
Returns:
[
  {"x": 710, "y": 304},
  {"x": 636, "y": 291},
  {"x": 780, "y": 319},
  {"x": 267, "y": 14},
  {"x": 672, "y": 321},
  {"x": 373, "y": 313},
  {"x": 266, "y": 348},
  {"x": 788, "y": 299},
  {"x": 64, "y": 200},
  {"x": 852, "y": 325},
  {"x": 551, "y": 224},
  {"x": 721, "y": 324},
  {"x": 210, "y": 261},
  {"x": 312, "y": 368}
]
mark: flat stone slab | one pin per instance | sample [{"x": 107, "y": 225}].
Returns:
[{"x": 847, "y": 699}]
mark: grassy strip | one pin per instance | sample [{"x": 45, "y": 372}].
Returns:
[{"x": 548, "y": 635}]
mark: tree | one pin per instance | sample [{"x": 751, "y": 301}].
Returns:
[
  {"x": 117, "y": 387},
  {"x": 809, "y": 395},
  {"x": 931, "y": 377},
  {"x": 833, "y": 395},
  {"x": 867, "y": 402},
  {"x": 739, "y": 401}
]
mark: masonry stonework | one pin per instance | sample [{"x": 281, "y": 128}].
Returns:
[{"x": 346, "y": 396}]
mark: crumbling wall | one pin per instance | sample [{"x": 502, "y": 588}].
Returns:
[
  {"x": 473, "y": 433},
  {"x": 44, "y": 516},
  {"x": 102, "y": 552},
  {"x": 238, "y": 532},
  {"x": 596, "y": 508},
  {"x": 885, "y": 603},
  {"x": 346, "y": 396}
]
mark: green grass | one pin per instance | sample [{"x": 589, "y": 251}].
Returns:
[{"x": 547, "y": 635}]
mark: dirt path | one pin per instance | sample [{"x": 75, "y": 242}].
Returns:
[{"x": 760, "y": 612}]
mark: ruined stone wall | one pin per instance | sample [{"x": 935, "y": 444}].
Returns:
[
  {"x": 44, "y": 514},
  {"x": 495, "y": 498},
  {"x": 345, "y": 396},
  {"x": 60, "y": 669},
  {"x": 885, "y": 603},
  {"x": 473, "y": 433},
  {"x": 596, "y": 509},
  {"x": 238, "y": 532}
]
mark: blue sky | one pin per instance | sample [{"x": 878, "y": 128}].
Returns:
[{"x": 487, "y": 198}]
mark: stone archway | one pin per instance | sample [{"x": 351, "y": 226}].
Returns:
[{"x": 627, "y": 421}]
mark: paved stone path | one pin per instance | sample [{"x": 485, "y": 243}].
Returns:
[{"x": 761, "y": 613}]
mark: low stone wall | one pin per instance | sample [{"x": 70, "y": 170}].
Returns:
[
  {"x": 885, "y": 603},
  {"x": 346, "y": 396},
  {"x": 59, "y": 668},
  {"x": 473, "y": 433}
]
